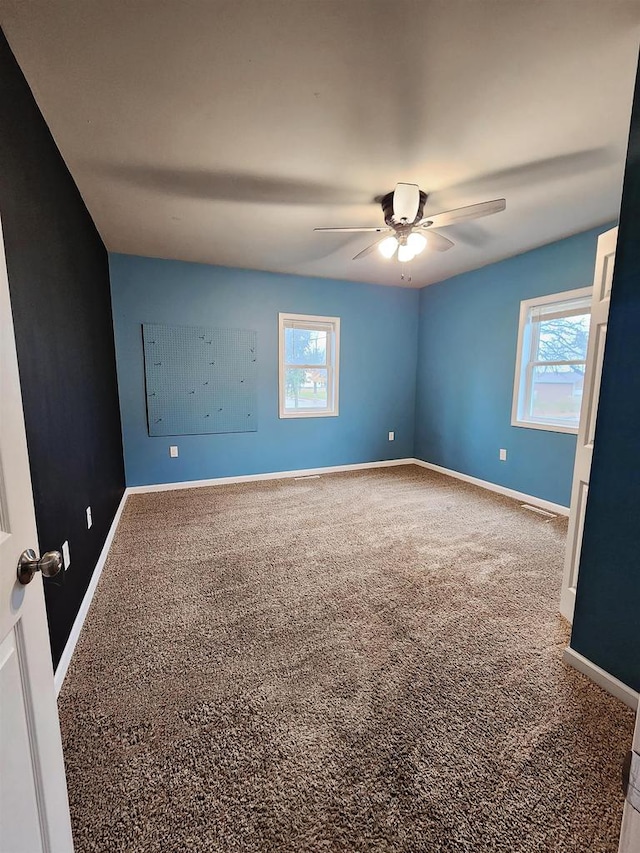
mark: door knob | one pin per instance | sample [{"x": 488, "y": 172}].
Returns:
[{"x": 28, "y": 564}]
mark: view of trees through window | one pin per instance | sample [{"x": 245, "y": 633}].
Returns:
[
  {"x": 564, "y": 339},
  {"x": 557, "y": 367},
  {"x": 306, "y": 373}
]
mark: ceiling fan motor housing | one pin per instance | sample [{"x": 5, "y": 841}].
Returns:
[{"x": 387, "y": 210}]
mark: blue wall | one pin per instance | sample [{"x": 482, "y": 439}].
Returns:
[
  {"x": 379, "y": 331},
  {"x": 606, "y": 625},
  {"x": 466, "y": 364}
]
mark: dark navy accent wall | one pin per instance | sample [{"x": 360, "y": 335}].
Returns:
[
  {"x": 606, "y": 627},
  {"x": 466, "y": 366},
  {"x": 378, "y": 338},
  {"x": 59, "y": 284}
]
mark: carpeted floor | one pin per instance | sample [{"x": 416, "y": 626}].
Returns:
[{"x": 363, "y": 662}]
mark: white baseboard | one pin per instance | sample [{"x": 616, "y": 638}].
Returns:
[
  {"x": 65, "y": 660},
  {"x": 602, "y": 678},
  {"x": 272, "y": 475},
  {"x": 494, "y": 487},
  {"x": 331, "y": 469}
]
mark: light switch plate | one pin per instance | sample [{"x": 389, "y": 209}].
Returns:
[
  {"x": 503, "y": 454},
  {"x": 89, "y": 519},
  {"x": 173, "y": 451},
  {"x": 65, "y": 555},
  {"x": 392, "y": 436}
]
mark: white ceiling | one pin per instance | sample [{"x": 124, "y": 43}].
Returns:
[{"x": 223, "y": 131}]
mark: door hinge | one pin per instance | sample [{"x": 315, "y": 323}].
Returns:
[{"x": 631, "y": 779}]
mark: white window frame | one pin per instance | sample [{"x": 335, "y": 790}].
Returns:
[
  {"x": 310, "y": 321},
  {"x": 521, "y": 384}
]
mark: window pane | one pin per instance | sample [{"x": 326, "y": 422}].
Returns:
[
  {"x": 305, "y": 346},
  {"x": 563, "y": 338},
  {"x": 556, "y": 393},
  {"x": 306, "y": 389}
]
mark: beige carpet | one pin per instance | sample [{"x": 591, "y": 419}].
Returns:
[{"x": 363, "y": 662}]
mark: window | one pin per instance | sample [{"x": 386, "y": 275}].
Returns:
[
  {"x": 309, "y": 352},
  {"x": 551, "y": 358}
]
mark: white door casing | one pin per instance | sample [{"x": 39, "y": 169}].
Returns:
[
  {"x": 602, "y": 281},
  {"x": 34, "y": 807},
  {"x": 630, "y": 831}
]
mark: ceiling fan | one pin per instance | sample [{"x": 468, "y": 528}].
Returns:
[{"x": 403, "y": 214}]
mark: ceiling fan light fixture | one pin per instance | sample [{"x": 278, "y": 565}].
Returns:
[
  {"x": 416, "y": 242},
  {"x": 403, "y": 210},
  {"x": 405, "y": 254},
  {"x": 387, "y": 247}
]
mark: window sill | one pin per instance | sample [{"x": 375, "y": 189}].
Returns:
[
  {"x": 546, "y": 427},
  {"x": 309, "y": 414}
]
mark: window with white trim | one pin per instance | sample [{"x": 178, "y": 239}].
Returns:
[
  {"x": 551, "y": 359},
  {"x": 309, "y": 365}
]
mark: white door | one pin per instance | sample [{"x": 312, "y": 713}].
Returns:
[
  {"x": 630, "y": 833},
  {"x": 600, "y": 299},
  {"x": 34, "y": 809}
]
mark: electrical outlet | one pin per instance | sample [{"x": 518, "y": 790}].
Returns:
[
  {"x": 503, "y": 454},
  {"x": 66, "y": 557},
  {"x": 392, "y": 436},
  {"x": 89, "y": 519},
  {"x": 173, "y": 451}
]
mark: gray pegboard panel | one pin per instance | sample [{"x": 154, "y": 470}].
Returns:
[{"x": 200, "y": 380}]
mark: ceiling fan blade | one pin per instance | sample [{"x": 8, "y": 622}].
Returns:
[
  {"x": 438, "y": 242},
  {"x": 462, "y": 214},
  {"x": 245, "y": 187},
  {"x": 406, "y": 200},
  {"x": 538, "y": 172},
  {"x": 356, "y": 228},
  {"x": 368, "y": 250}
]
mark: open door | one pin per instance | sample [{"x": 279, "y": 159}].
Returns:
[
  {"x": 600, "y": 300},
  {"x": 34, "y": 808}
]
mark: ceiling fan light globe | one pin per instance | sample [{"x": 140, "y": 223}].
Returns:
[
  {"x": 388, "y": 246},
  {"x": 416, "y": 242},
  {"x": 406, "y": 202},
  {"x": 405, "y": 254}
]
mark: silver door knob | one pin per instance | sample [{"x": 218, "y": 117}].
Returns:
[{"x": 49, "y": 564}]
